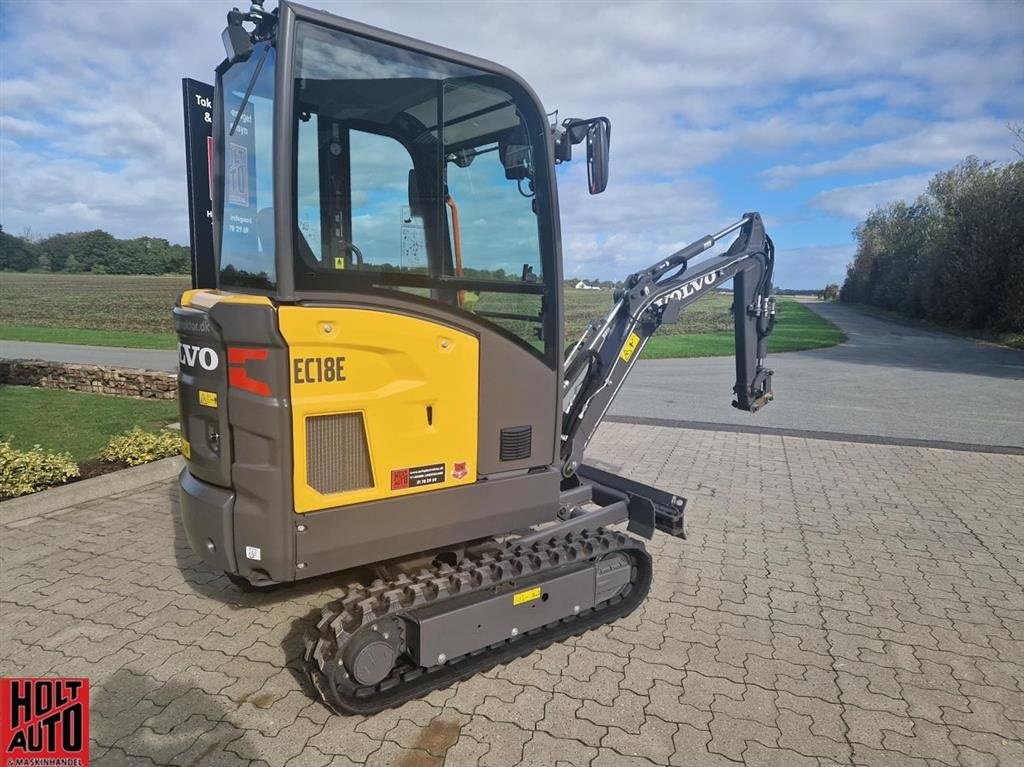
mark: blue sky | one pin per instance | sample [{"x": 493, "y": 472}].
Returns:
[{"x": 809, "y": 113}]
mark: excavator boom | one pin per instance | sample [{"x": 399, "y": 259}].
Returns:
[{"x": 598, "y": 364}]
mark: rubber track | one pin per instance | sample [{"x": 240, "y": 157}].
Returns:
[{"x": 362, "y": 606}]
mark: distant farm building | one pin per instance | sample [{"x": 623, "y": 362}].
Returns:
[{"x": 581, "y": 285}]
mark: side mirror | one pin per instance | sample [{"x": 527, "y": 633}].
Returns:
[{"x": 598, "y": 140}]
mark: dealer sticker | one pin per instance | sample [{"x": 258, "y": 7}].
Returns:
[
  {"x": 44, "y": 722},
  {"x": 417, "y": 476}
]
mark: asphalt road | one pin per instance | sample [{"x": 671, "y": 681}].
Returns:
[
  {"x": 888, "y": 380},
  {"x": 107, "y": 356}
]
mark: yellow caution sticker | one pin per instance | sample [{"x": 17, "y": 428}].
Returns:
[
  {"x": 526, "y": 596},
  {"x": 630, "y": 346},
  {"x": 208, "y": 398},
  {"x": 339, "y": 263},
  {"x": 186, "y": 448}
]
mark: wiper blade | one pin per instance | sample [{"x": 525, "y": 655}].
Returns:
[{"x": 248, "y": 89}]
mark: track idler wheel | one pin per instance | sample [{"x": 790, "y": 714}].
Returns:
[{"x": 371, "y": 655}]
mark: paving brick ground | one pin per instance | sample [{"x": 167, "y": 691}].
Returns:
[{"x": 835, "y": 604}]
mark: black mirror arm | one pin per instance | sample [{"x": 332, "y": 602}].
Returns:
[{"x": 572, "y": 131}]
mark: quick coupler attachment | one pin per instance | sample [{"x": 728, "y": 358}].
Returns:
[{"x": 759, "y": 393}]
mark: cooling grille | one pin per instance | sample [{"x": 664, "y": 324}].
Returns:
[
  {"x": 516, "y": 443},
  {"x": 337, "y": 456}
]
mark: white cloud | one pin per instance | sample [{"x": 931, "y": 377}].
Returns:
[
  {"x": 936, "y": 145},
  {"x": 855, "y": 201}
]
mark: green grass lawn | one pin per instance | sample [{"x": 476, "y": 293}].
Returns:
[
  {"x": 704, "y": 329},
  {"x": 78, "y": 423},
  {"x": 796, "y": 328},
  {"x": 89, "y": 337}
]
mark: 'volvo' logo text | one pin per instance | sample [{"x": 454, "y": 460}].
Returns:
[
  {"x": 691, "y": 287},
  {"x": 188, "y": 355}
]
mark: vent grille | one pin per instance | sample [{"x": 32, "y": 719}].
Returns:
[
  {"x": 337, "y": 456},
  {"x": 516, "y": 443}
]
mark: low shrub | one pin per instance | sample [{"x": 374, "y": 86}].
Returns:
[
  {"x": 137, "y": 447},
  {"x": 26, "y": 471}
]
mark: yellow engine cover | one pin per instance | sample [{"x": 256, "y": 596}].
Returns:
[{"x": 411, "y": 382}]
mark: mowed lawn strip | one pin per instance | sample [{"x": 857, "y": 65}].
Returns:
[
  {"x": 796, "y": 328},
  {"x": 76, "y": 422},
  {"x": 86, "y": 337}
]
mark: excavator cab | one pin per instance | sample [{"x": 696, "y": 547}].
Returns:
[{"x": 376, "y": 373}]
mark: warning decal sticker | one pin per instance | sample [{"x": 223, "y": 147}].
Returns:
[
  {"x": 629, "y": 347},
  {"x": 526, "y": 596},
  {"x": 403, "y": 479}
]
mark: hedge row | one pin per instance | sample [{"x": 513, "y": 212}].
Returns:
[
  {"x": 97, "y": 252},
  {"x": 954, "y": 256},
  {"x": 27, "y": 471}
]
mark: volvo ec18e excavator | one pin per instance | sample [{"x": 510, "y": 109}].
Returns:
[{"x": 375, "y": 378}]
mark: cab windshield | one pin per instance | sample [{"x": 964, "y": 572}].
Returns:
[
  {"x": 247, "y": 231},
  {"x": 416, "y": 174}
]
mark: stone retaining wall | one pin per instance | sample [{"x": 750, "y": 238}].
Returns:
[{"x": 123, "y": 382}]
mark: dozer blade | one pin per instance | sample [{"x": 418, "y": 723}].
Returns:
[{"x": 666, "y": 511}]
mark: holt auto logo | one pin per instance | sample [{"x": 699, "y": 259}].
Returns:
[{"x": 44, "y": 722}]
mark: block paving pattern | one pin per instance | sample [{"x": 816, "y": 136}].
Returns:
[{"x": 835, "y": 604}]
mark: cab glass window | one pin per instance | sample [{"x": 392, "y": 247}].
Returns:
[
  {"x": 246, "y": 141},
  {"x": 416, "y": 174}
]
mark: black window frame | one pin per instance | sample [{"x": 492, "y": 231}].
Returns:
[{"x": 286, "y": 196}]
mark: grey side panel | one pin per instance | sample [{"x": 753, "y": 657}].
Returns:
[
  {"x": 206, "y": 517},
  {"x": 370, "y": 532},
  {"x": 516, "y": 388},
  {"x": 261, "y": 437},
  {"x": 199, "y": 346}
]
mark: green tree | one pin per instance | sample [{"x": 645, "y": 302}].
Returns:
[
  {"x": 56, "y": 250},
  {"x": 101, "y": 253},
  {"x": 17, "y": 254}
]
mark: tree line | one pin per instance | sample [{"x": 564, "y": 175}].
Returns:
[
  {"x": 97, "y": 252},
  {"x": 954, "y": 256}
]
